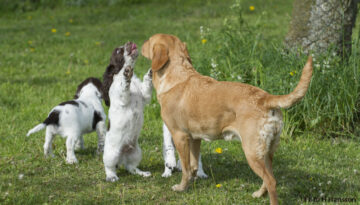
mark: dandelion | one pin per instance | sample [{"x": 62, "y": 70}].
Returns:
[
  {"x": 68, "y": 71},
  {"x": 252, "y": 8},
  {"x": 67, "y": 34},
  {"x": 218, "y": 185},
  {"x": 218, "y": 150},
  {"x": 29, "y": 17},
  {"x": 203, "y": 41},
  {"x": 310, "y": 179},
  {"x": 30, "y": 42},
  {"x": 86, "y": 62},
  {"x": 292, "y": 73},
  {"x": 53, "y": 30},
  {"x": 71, "y": 20},
  {"x": 98, "y": 43},
  {"x": 32, "y": 49}
]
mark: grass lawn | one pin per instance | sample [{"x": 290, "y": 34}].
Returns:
[{"x": 46, "y": 53}]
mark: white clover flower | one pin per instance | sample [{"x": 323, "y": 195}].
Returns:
[
  {"x": 21, "y": 176},
  {"x": 355, "y": 171},
  {"x": 239, "y": 78},
  {"x": 320, "y": 184},
  {"x": 213, "y": 63},
  {"x": 329, "y": 182}
]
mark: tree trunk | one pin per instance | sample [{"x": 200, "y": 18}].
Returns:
[{"x": 320, "y": 25}]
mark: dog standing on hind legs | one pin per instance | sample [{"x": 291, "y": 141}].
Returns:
[
  {"x": 72, "y": 119},
  {"x": 127, "y": 96},
  {"x": 196, "y": 107}
]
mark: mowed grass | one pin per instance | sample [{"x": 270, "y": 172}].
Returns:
[{"x": 40, "y": 68}]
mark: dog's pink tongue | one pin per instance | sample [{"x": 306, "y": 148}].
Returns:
[{"x": 133, "y": 46}]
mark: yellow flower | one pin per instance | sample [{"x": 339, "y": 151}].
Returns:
[
  {"x": 32, "y": 49},
  {"x": 98, "y": 43},
  {"x": 71, "y": 20},
  {"x": 252, "y": 8},
  {"x": 292, "y": 73},
  {"x": 218, "y": 150},
  {"x": 218, "y": 185},
  {"x": 203, "y": 41},
  {"x": 29, "y": 42},
  {"x": 29, "y": 17},
  {"x": 67, "y": 34},
  {"x": 86, "y": 62},
  {"x": 53, "y": 30}
]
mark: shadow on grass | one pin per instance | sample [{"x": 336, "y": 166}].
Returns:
[{"x": 292, "y": 184}]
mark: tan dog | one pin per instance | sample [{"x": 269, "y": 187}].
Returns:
[{"x": 196, "y": 107}]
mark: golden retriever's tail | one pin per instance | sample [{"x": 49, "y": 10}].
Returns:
[{"x": 286, "y": 101}]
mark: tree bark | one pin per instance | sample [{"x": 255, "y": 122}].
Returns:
[{"x": 320, "y": 25}]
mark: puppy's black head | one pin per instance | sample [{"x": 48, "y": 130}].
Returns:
[
  {"x": 117, "y": 61},
  {"x": 95, "y": 81}
]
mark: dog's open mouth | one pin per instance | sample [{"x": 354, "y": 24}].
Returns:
[{"x": 132, "y": 49}]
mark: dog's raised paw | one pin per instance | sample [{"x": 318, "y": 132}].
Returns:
[
  {"x": 112, "y": 179},
  {"x": 128, "y": 72}
]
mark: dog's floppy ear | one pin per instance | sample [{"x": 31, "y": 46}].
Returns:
[
  {"x": 160, "y": 57},
  {"x": 108, "y": 79}
]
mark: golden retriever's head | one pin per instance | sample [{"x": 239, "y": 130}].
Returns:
[{"x": 162, "y": 48}]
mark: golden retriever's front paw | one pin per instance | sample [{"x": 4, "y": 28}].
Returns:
[{"x": 178, "y": 187}]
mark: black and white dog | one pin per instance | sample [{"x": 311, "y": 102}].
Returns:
[
  {"x": 74, "y": 118},
  {"x": 127, "y": 96}
]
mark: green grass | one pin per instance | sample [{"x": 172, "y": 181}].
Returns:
[{"x": 39, "y": 69}]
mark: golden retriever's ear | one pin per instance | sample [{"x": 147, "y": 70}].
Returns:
[
  {"x": 160, "y": 57},
  {"x": 145, "y": 50}
]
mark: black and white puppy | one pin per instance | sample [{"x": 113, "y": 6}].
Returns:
[
  {"x": 74, "y": 118},
  {"x": 127, "y": 96}
]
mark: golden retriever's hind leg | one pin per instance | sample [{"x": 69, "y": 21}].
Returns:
[
  {"x": 182, "y": 144},
  {"x": 194, "y": 156},
  {"x": 262, "y": 168}
]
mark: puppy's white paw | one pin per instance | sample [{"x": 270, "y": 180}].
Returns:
[
  {"x": 112, "y": 178},
  {"x": 71, "y": 160},
  {"x": 167, "y": 173},
  {"x": 201, "y": 174},
  {"x": 145, "y": 174},
  {"x": 170, "y": 161}
]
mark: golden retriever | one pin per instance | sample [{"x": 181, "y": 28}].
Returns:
[{"x": 196, "y": 107}]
